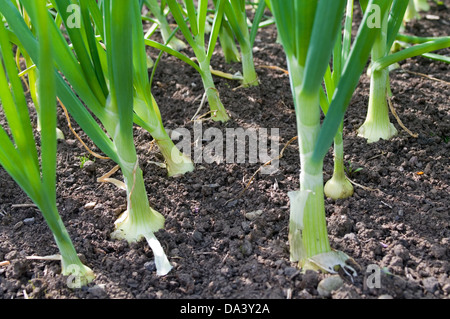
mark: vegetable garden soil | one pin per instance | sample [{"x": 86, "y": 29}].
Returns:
[{"x": 397, "y": 219}]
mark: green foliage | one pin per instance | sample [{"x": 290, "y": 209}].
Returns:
[{"x": 19, "y": 156}]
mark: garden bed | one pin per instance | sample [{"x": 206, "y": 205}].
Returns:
[{"x": 398, "y": 218}]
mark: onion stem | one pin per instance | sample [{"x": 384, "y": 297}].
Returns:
[
  {"x": 338, "y": 187},
  {"x": 377, "y": 125}
]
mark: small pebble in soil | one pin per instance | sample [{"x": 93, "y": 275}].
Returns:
[
  {"x": 197, "y": 236},
  {"x": 71, "y": 142},
  {"x": 328, "y": 285},
  {"x": 253, "y": 215},
  {"x": 90, "y": 206},
  {"x": 89, "y": 166},
  {"x": 29, "y": 221},
  {"x": 18, "y": 225}
]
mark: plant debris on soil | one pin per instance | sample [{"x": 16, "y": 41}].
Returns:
[{"x": 223, "y": 245}]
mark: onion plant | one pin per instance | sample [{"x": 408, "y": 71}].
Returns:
[
  {"x": 236, "y": 15},
  {"x": 227, "y": 35},
  {"x": 411, "y": 12},
  {"x": 104, "y": 81},
  {"x": 158, "y": 11},
  {"x": 308, "y": 30},
  {"x": 194, "y": 33},
  {"x": 338, "y": 186},
  {"x": 377, "y": 125},
  {"x": 140, "y": 220},
  {"x": 19, "y": 155},
  {"x": 227, "y": 43},
  {"x": 422, "y": 5},
  {"x": 414, "y": 9},
  {"x": 147, "y": 111}
]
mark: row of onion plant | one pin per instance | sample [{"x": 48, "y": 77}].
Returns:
[
  {"x": 101, "y": 77},
  {"x": 19, "y": 154}
]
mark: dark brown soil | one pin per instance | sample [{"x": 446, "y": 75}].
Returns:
[{"x": 401, "y": 224}]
